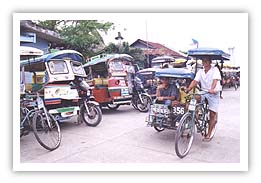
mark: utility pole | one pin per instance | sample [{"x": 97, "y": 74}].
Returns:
[
  {"x": 231, "y": 52},
  {"x": 148, "y": 59}
]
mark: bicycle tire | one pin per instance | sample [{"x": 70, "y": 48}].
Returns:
[
  {"x": 25, "y": 124},
  {"x": 49, "y": 138},
  {"x": 184, "y": 132}
]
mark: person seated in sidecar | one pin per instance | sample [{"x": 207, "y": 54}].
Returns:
[
  {"x": 185, "y": 97},
  {"x": 167, "y": 93}
]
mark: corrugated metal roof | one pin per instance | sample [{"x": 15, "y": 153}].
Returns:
[{"x": 157, "y": 49}]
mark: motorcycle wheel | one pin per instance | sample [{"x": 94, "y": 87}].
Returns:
[
  {"x": 134, "y": 103},
  {"x": 145, "y": 106},
  {"x": 95, "y": 116},
  {"x": 113, "y": 106}
]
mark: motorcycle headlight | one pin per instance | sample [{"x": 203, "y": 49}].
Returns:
[{"x": 88, "y": 93}]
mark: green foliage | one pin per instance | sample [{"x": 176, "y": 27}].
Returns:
[
  {"x": 136, "y": 53},
  {"x": 81, "y": 35},
  {"x": 84, "y": 36},
  {"x": 49, "y": 24}
]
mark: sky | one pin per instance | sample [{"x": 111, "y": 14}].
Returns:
[{"x": 176, "y": 30}]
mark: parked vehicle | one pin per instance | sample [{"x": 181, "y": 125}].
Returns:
[
  {"x": 162, "y": 62},
  {"x": 53, "y": 75},
  {"x": 90, "y": 111},
  {"x": 141, "y": 100},
  {"x": 231, "y": 78},
  {"x": 149, "y": 80},
  {"x": 34, "y": 116},
  {"x": 111, "y": 77}
]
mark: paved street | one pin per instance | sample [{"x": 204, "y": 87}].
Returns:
[{"x": 123, "y": 137}]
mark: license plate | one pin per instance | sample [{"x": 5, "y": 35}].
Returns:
[
  {"x": 124, "y": 91},
  {"x": 179, "y": 110},
  {"x": 192, "y": 105}
]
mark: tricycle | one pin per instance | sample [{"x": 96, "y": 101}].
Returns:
[
  {"x": 162, "y": 116},
  {"x": 162, "y": 62},
  {"x": 59, "y": 79},
  {"x": 112, "y": 77}
]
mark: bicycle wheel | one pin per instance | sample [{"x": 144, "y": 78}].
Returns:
[
  {"x": 48, "y": 137},
  {"x": 24, "y": 122},
  {"x": 184, "y": 135}
]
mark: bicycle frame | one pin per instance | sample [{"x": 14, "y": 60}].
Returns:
[
  {"x": 194, "y": 107},
  {"x": 37, "y": 104}
]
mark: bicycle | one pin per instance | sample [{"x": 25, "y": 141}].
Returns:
[
  {"x": 197, "y": 116},
  {"x": 34, "y": 116}
]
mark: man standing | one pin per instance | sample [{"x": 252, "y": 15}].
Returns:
[{"x": 209, "y": 78}]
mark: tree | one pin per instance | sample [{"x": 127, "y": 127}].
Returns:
[
  {"x": 136, "y": 53},
  {"x": 81, "y": 35}
]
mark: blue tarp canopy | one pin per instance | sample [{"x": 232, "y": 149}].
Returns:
[
  {"x": 216, "y": 54},
  {"x": 175, "y": 73},
  {"x": 164, "y": 59},
  {"x": 107, "y": 58},
  {"x": 74, "y": 55}
]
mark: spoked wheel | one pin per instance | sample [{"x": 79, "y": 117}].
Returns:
[
  {"x": 94, "y": 117},
  {"x": 25, "y": 125},
  {"x": 134, "y": 106},
  {"x": 48, "y": 136},
  {"x": 184, "y": 136},
  {"x": 113, "y": 106},
  {"x": 145, "y": 105}
]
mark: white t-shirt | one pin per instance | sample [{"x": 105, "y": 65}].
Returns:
[{"x": 206, "y": 79}]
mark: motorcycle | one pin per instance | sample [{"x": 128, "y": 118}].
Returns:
[
  {"x": 141, "y": 100},
  {"x": 90, "y": 111}
]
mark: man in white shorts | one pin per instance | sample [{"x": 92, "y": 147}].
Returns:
[{"x": 209, "y": 77}]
